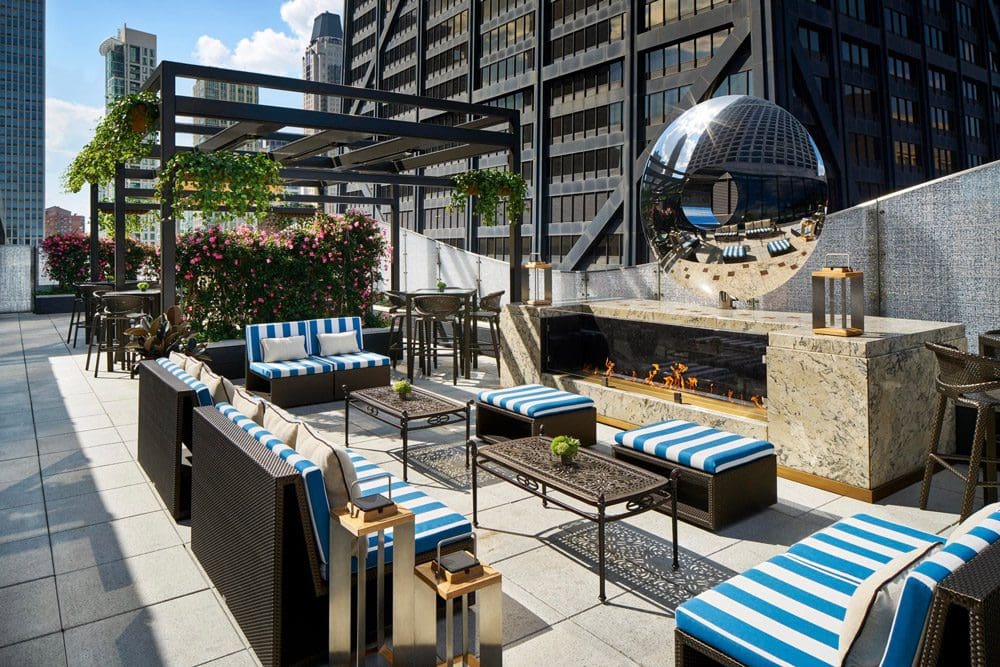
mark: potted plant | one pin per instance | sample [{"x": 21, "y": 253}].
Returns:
[
  {"x": 565, "y": 447},
  {"x": 170, "y": 332},
  {"x": 490, "y": 187},
  {"x": 143, "y": 286},
  {"x": 402, "y": 388},
  {"x": 441, "y": 285}
]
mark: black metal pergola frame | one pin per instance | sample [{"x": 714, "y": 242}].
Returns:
[{"x": 377, "y": 151}]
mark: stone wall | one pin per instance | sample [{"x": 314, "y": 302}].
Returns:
[{"x": 15, "y": 278}]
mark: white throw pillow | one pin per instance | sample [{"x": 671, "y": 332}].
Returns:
[
  {"x": 249, "y": 405},
  {"x": 338, "y": 471},
  {"x": 332, "y": 344},
  {"x": 281, "y": 424},
  {"x": 284, "y": 349},
  {"x": 194, "y": 368},
  {"x": 179, "y": 359},
  {"x": 214, "y": 384}
]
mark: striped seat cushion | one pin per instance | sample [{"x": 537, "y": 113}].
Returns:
[
  {"x": 201, "y": 390},
  {"x": 331, "y": 325},
  {"x": 292, "y": 368},
  {"x": 257, "y": 332},
  {"x": 778, "y": 247},
  {"x": 341, "y": 362},
  {"x": 695, "y": 446},
  {"x": 734, "y": 252},
  {"x": 792, "y": 609},
  {"x": 535, "y": 400},
  {"x": 918, "y": 590}
]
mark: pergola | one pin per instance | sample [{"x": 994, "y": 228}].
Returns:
[{"x": 374, "y": 150}]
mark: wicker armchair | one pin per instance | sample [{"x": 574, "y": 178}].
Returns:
[{"x": 432, "y": 312}]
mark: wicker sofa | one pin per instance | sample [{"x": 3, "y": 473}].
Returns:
[
  {"x": 863, "y": 591},
  {"x": 260, "y": 531},
  {"x": 314, "y": 378}
]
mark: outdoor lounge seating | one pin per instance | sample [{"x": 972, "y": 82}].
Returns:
[
  {"x": 529, "y": 409},
  {"x": 260, "y": 525},
  {"x": 724, "y": 476},
  {"x": 779, "y": 247},
  {"x": 734, "y": 253},
  {"x": 306, "y": 375},
  {"x": 829, "y": 599}
]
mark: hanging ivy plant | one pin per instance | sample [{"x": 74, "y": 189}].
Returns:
[
  {"x": 222, "y": 185},
  {"x": 125, "y": 134},
  {"x": 490, "y": 187}
]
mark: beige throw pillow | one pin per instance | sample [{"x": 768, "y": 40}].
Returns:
[
  {"x": 283, "y": 349},
  {"x": 229, "y": 388},
  {"x": 179, "y": 359},
  {"x": 249, "y": 405},
  {"x": 214, "y": 384},
  {"x": 282, "y": 425},
  {"x": 332, "y": 344},
  {"x": 194, "y": 368},
  {"x": 338, "y": 471}
]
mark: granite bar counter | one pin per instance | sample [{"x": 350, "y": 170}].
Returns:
[{"x": 850, "y": 414}]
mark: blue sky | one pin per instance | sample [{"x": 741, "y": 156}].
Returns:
[{"x": 259, "y": 36}]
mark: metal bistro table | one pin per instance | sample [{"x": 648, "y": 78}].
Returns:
[
  {"x": 384, "y": 404},
  {"x": 592, "y": 479},
  {"x": 151, "y": 296},
  {"x": 469, "y": 296}
]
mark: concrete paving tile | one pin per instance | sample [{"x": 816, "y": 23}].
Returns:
[
  {"x": 24, "y": 491},
  {"x": 241, "y": 659},
  {"x": 86, "y": 510},
  {"x": 633, "y": 626},
  {"x": 18, "y": 448},
  {"x": 565, "y": 644},
  {"x": 123, "y": 412},
  {"x": 79, "y": 459},
  {"x": 70, "y": 441},
  {"x": 85, "y": 547},
  {"x": 777, "y": 528},
  {"x": 20, "y": 523},
  {"x": 524, "y": 614},
  {"x": 128, "y": 432},
  {"x": 796, "y": 499},
  {"x": 744, "y": 555},
  {"x": 14, "y": 418},
  {"x": 30, "y": 610},
  {"x": 47, "y": 651},
  {"x": 18, "y": 469},
  {"x": 186, "y": 631},
  {"x": 124, "y": 585},
  {"x": 25, "y": 560},
  {"x": 183, "y": 529},
  {"x": 72, "y": 425},
  {"x": 941, "y": 513},
  {"x": 60, "y": 408},
  {"x": 90, "y": 480},
  {"x": 17, "y": 432},
  {"x": 514, "y": 528}
]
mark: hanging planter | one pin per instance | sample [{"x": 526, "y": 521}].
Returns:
[
  {"x": 125, "y": 134},
  {"x": 490, "y": 187}
]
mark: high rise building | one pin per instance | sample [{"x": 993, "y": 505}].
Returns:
[
  {"x": 61, "y": 221},
  {"x": 324, "y": 60},
  {"x": 894, "y": 93},
  {"x": 22, "y": 119}
]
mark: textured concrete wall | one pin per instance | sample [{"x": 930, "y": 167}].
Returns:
[{"x": 15, "y": 278}]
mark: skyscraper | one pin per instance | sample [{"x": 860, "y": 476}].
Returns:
[
  {"x": 22, "y": 119},
  {"x": 324, "y": 60},
  {"x": 894, "y": 93},
  {"x": 227, "y": 92}
]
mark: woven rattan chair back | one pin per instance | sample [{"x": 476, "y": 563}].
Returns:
[
  {"x": 438, "y": 306},
  {"x": 491, "y": 301},
  {"x": 962, "y": 373}
]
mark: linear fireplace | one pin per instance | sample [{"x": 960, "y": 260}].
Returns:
[{"x": 721, "y": 370}]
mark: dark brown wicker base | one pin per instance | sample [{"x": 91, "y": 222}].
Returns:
[
  {"x": 495, "y": 423},
  {"x": 712, "y": 501},
  {"x": 165, "y": 405},
  {"x": 321, "y": 388}
]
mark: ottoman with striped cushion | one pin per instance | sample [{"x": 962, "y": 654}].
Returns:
[
  {"x": 724, "y": 476},
  {"x": 534, "y": 409},
  {"x": 779, "y": 247}
]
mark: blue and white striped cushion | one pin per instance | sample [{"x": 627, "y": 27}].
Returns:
[
  {"x": 291, "y": 368},
  {"x": 312, "y": 476},
  {"x": 695, "y": 446},
  {"x": 200, "y": 388},
  {"x": 790, "y": 610},
  {"x": 535, "y": 400},
  {"x": 734, "y": 252},
  {"x": 342, "y": 362},
  {"x": 256, "y": 332},
  {"x": 779, "y": 246},
  {"x": 331, "y": 325},
  {"x": 434, "y": 521},
  {"x": 918, "y": 590}
]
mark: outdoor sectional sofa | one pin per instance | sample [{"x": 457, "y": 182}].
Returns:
[
  {"x": 313, "y": 378},
  {"x": 260, "y": 528}
]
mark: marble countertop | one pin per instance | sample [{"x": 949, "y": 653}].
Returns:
[{"x": 883, "y": 335}]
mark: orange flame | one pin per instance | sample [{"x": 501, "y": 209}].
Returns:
[
  {"x": 757, "y": 402},
  {"x": 609, "y": 366},
  {"x": 653, "y": 372}
]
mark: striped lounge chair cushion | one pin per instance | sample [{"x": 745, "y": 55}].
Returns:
[
  {"x": 792, "y": 609},
  {"x": 341, "y": 362},
  {"x": 257, "y": 332},
  {"x": 331, "y": 325},
  {"x": 734, "y": 252},
  {"x": 695, "y": 446},
  {"x": 778, "y": 247},
  {"x": 292, "y": 368},
  {"x": 535, "y": 400},
  {"x": 200, "y": 388},
  {"x": 918, "y": 590}
]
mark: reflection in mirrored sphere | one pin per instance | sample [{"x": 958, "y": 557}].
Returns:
[{"x": 734, "y": 197}]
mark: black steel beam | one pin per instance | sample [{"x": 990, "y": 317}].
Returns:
[
  {"x": 119, "y": 227},
  {"x": 401, "y": 144},
  {"x": 312, "y": 144},
  {"x": 325, "y": 177},
  {"x": 168, "y": 231},
  {"x": 95, "y": 233},
  {"x": 237, "y": 135}
]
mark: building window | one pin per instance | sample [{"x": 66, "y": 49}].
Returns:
[
  {"x": 685, "y": 55},
  {"x": 813, "y": 41},
  {"x": 907, "y": 154},
  {"x": 973, "y": 127},
  {"x": 854, "y": 8},
  {"x": 973, "y": 160},
  {"x": 896, "y": 23},
  {"x": 934, "y": 38},
  {"x": 964, "y": 12},
  {"x": 602, "y": 32},
  {"x": 899, "y": 67},
  {"x": 662, "y": 105},
  {"x": 859, "y": 101},
  {"x": 940, "y": 119},
  {"x": 855, "y": 54},
  {"x": 970, "y": 89},
  {"x": 938, "y": 80},
  {"x": 942, "y": 161},
  {"x": 862, "y": 148},
  {"x": 660, "y": 12},
  {"x": 934, "y": 6},
  {"x": 902, "y": 110},
  {"x": 967, "y": 51}
]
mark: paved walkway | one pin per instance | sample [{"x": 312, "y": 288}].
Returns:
[{"x": 93, "y": 571}]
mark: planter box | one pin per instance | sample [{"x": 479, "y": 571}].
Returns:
[
  {"x": 53, "y": 304},
  {"x": 377, "y": 341},
  {"x": 228, "y": 357}
]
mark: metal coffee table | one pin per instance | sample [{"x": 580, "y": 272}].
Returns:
[
  {"x": 421, "y": 410},
  {"x": 593, "y": 480}
]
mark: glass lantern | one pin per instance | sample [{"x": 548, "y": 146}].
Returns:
[{"x": 536, "y": 282}]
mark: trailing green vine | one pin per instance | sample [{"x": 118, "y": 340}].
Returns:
[
  {"x": 222, "y": 185},
  {"x": 491, "y": 188},
  {"x": 125, "y": 134}
]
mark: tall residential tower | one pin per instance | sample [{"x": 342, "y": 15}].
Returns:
[{"x": 324, "y": 60}]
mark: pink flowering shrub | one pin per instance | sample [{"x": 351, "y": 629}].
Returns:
[
  {"x": 67, "y": 258},
  {"x": 327, "y": 267}
]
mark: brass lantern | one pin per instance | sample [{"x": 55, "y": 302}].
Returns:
[
  {"x": 836, "y": 284},
  {"x": 536, "y": 282}
]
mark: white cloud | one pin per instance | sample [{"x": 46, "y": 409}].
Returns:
[
  {"x": 270, "y": 51},
  {"x": 68, "y": 126}
]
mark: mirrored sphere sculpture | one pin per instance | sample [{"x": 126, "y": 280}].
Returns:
[{"x": 734, "y": 197}]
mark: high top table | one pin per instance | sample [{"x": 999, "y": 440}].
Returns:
[{"x": 469, "y": 297}]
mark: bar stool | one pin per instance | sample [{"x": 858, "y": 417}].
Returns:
[
  {"x": 488, "y": 311},
  {"x": 397, "y": 324},
  {"x": 432, "y": 312},
  {"x": 83, "y": 309},
  {"x": 117, "y": 313},
  {"x": 970, "y": 381}
]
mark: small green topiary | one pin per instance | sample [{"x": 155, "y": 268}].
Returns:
[
  {"x": 402, "y": 388},
  {"x": 565, "y": 446}
]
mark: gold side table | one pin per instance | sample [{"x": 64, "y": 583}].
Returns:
[
  {"x": 349, "y": 537},
  {"x": 489, "y": 617}
]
